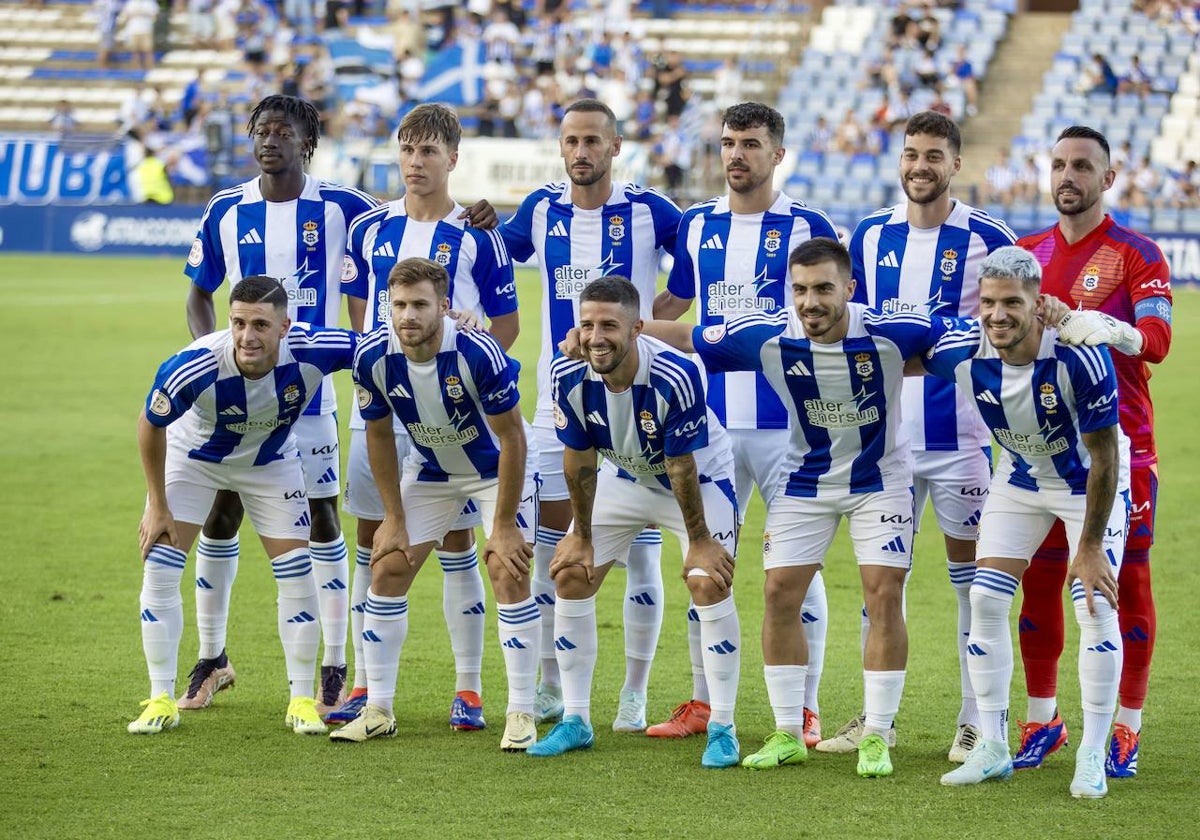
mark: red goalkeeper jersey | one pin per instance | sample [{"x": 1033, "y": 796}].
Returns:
[{"x": 1123, "y": 274}]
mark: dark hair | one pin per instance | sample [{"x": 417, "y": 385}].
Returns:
[
  {"x": 612, "y": 289},
  {"x": 299, "y": 111},
  {"x": 819, "y": 250},
  {"x": 1083, "y": 132},
  {"x": 935, "y": 125},
  {"x": 416, "y": 270},
  {"x": 747, "y": 115},
  {"x": 431, "y": 121},
  {"x": 259, "y": 288},
  {"x": 593, "y": 106}
]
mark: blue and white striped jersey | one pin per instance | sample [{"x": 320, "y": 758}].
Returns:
[
  {"x": 301, "y": 242},
  {"x": 225, "y": 418},
  {"x": 901, "y": 268},
  {"x": 626, "y": 237},
  {"x": 662, "y": 415},
  {"x": 443, "y": 402},
  {"x": 481, "y": 274},
  {"x": 737, "y": 265},
  {"x": 843, "y": 399},
  {"x": 1038, "y": 412}
]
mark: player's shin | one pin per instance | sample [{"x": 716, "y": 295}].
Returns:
[
  {"x": 1100, "y": 657},
  {"x": 989, "y": 649},
  {"x": 359, "y": 587},
  {"x": 814, "y": 616},
  {"x": 519, "y": 628},
  {"x": 643, "y": 611},
  {"x": 331, "y": 569},
  {"x": 299, "y": 627},
  {"x": 162, "y": 616},
  {"x": 545, "y": 543},
  {"x": 216, "y": 570},
  {"x": 463, "y": 599},
  {"x": 385, "y": 627},
  {"x": 721, "y": 649},
  {"x": 575, "y": 647}
]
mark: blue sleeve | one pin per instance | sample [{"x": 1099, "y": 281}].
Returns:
[
  {"x": 952, "y": 348},
  {"x": 206, "y": 261},
  {"x": 495, "y": 374},
  {"x": 568, "y": 426},
  {"x": 1094, "y": 380},
  {"x": 666, "y": 223},
  {"x": 857, "y": 269},
  {"x": 685, "y": 428},
  {"x": 327, "y": 348},
  {"x": 177, "y": 384},
  {"x": 736, "y": 344},
  {"x": 821, "y": 225},
  {"x": 493, "y": 274},
  {"x": 681, "y": 282},
  {"x": 355, "y": 267},
  {"x": 517, "y": 232},
  {"x": 371, "y": 402},
  {"x": 913, "y": 333}
]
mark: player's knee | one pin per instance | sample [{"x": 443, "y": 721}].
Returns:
[
  {"x": 391, "y": 575},
  {"x": 781, "y": 595},
  {"x": 326, "y": 524},
  {"x": 572, "y": 583},
  {"x": 705, "y": 591},
  {"x": 506, "y": 588}
]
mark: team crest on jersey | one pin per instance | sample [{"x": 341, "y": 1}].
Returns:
[
  {"x": 767, "y": 544},
  {"x": 949, "y": 263},
  {"x": 714, "y": 333},
  {"x": 160, "y": 404},
  {"x": 196, "y": 255},
  {"x": 773, "y": 241},
  {"x": 1049, "y": 398},
  {"x": 616, "y": 228},
  {"x": 310, "y": 236},
  {"x": 364, "y": 397},
  {"x": 863, "y": 365},
  {"x": 291, "y": 394},
  {"x": 442, "y": 257},
  {"x": 560, "y": 419},
  {"x": 454, "y": 388},
  {"x": 646, "y": 421},
  {"x": 1091, "y": 278},
  {"x": 349, "y": 271}
]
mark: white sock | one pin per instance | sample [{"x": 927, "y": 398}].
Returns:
[
  {"x": 785, "y": 690},
  {"x": 643, "y": 608},
  {"x": 463, "y": 605},
  {"x": 961, "y": 575},
  {"x": 216, "y": 569},
  {"x": 542, "y": 589},
  {"x": 575, "y": 623},
  {"x": 863, "y": 630},
  {"x": 359, "y": 587},
  {"x": 721, "y": 643},
  {"x": 520, "y": 626},
  {"x": 881, "y": 700},
  {"x": 696, "y": 653},
  {"x": 1100, "y": 657},
  {"x": 814, "y": 616},
  {"x": 331, "y": 570},
  {"x": 1129, "y": 717},
  {"x": 990, "y": 649},
  {"x": 162, "y": 616},
  {"x": 1040, "y": 709},
  {"x": 385, "y": 626},
  {"x": 299, "y": 627}
]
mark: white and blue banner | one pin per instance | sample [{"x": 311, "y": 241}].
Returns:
[
  {"x": 134, "y": 230},
  {"x": 454, "y": 75},
  {"x": 37, "y": 170}
]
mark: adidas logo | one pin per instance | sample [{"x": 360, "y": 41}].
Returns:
[
  {"x": 359, "y": 608},
  {"x": 521, "y": 521},
  {"x": 693, "y": 615},
  {"x": 303, "y": 521},
  {"x": 642, "y": 598},
  {"x": 302, "y": 617},
  {"x": 514, "y": 644},
  {"x": 1026, "y": 626},
  {"x": 559, "y": 229},
  {"x": 369, "y": 636},
  {"x": 544, "y": 600},
  {"x": 148, "y": 616},
  {"x": 595, "y": 418},
  {"x": 987, "y": 397},
  {"x": 201, "y": 583},
  {"x": 976, "y": 650},
  {"x": 335, "y": 585},
  {"x": 384, "y": 250},
  {"x": 889, "y": 260},
  {"x": 401, "y": 392},
  {"x": 232, "y": 411},
  {"x": 713, "y": 243},
  {"x": 1143, "y": 531},
  {"x": 251, "y": 238},
  {"x": 808, "y": 618},
  {"x": 328, "y": 477},
  {"x": 1104, "y": 647},
  {"x": 476, "y": 609},
  {"x": 974, "y": 520},
  {"x": 562, "y": 643},
  {"x": 799, "y": 369},
  {"x": 725, "y": 646},
  {"x": 896, "y": 545},
  {"x": 1136, "y": 634}
]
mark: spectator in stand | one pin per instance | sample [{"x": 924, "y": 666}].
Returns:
[
  {"x": 1029, "y": 179},
  {"x": 615, "y": 91},
  {"x": 899, "y": 25},
  {"x": 1136, "y": 80},
  {"x": 225, "y": 23},
  {"x": 1181, "y": 188},
  {"x": 1144, "y": 183},
  {"x": 644, "y": 114},
  {"x": 1002, "y": 178},
  {"x": 138, "y": 16},
  {"x": 202, "y": 23},
  {"x": 135, "y": 108},
  {"x": 926, "y": 70},
  {"x": 879, "y": 138},
  {"x": 882, "y": 73},
  {"x": 301, "y": 15},
  {"x": 849, "y": 138},
  {"x": 501, "y": 37},
  {"x": 929, "y": 32},
  {"x": 939, "y": 105},
  {"x": 673, "y": 154},
  {"x": 106, "y": 12},
  {"x": 408, "y": 36},
  {"x": 727, "y": 84},
  {"x": 670, "y": 83},
  {"x": 1097, "y": 77},
  {"x": 63, "y": 120},
  {"x": 820, "y": 139},
  {"x": 962, "y": 74}
]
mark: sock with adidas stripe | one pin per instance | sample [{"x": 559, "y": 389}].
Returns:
[
  {"x": 299, "y": 627},
  {"x": 162, "y": 616},
  {"x": 463, "y": 600},
  {"x": 643, "y": 611},
  {"x": 216, "y": 570},
  {"x": 519, "y": 627},
  {"x": 990, "y": 649},
  {"x": 1100, "y": 660},
  {"x": 575, "y": 647},
  {"x": 961, "y": 576},
  {"x": 696, "y": 655},
  {"x": 721, "y": 648},
  {"x": 359, "y": 587},
  {"x": 331, "y": 570},
  {"x": 814, "y": 617},
  {"x": 542, "y": 588},
  {"x": 385, "y": 627}
]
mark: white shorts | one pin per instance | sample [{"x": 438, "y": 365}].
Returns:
[
  {"x": 623, "y": 509},
  {"x": 758, "y": 460},
  {"x": 800, "y": 531},
  {"x": 317, "y": 440},
  {"x": 362, "y": 496},
  {"x": 958, "y": 484},
  {"x": 550, "y": 464},
  {"x": 1015, "y": 521},
  {"x": 273, "y": 495},
  {"x": 433, "y": 508}
]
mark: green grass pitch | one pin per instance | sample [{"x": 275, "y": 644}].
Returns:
[{"x": 81, "y": 338}]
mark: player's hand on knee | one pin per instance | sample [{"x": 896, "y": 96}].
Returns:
[
  {"x": 570, "y": 346},
  {"x": 507, "y": 547},
  {"x": 709, "y": 557},
  {"x": 389, "y": 537},
  {"x": 156, "y": 523},
  {"x": 1095, "y": 574},
  {"x": 574, "y": 551}
]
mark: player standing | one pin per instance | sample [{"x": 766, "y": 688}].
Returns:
[
  {"x": 221, "y": 416},
  {"x": 580, "y": 230},
  {"x": 284, "y": 224},
  {"x": 732, "y": 255},
  {"x": 1091, "y": 262},
  {"x": 924, "y": 255}
]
